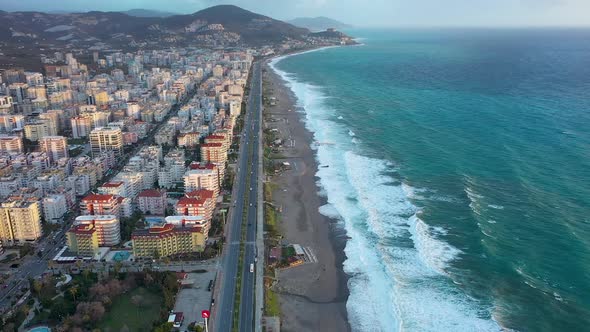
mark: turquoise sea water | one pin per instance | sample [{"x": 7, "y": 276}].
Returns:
[{"x": 459, "y": 165}]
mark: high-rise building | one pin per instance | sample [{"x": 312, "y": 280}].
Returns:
[
  {"x": 36, "y": 130},
  {"x": 97, "y": 204},
  {"x": 83, "y": 240},
  {"x": 153, "y": 202},
  {"x": 213, "y": 153},
  {"x": 106, "y": 139},
  {"x": 54, "y": 207},
  {"x": 11, "y": 122},
  {"x": 204, "y": 177},
  {"x": 5, "y": 104},
  {"x": 20, "y": 221},
  {"x": 11, "y": 144},
  {"x": 81, "y": 126},
  {"x": 196, "y": 203},
  {"x": 56, "y": 147},
  {"x": 108, "y": 228}
]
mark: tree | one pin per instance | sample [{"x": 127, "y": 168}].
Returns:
[
  {"x": 117, "y": 267},
  {"x": 36, "y": 286},
  {"x": 73, "y": 291},
  {"x": 166, "y": 327}
]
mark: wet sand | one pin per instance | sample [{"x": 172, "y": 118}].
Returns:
[{"x": 312, "y": 296}]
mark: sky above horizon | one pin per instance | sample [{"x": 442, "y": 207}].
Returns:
[{"x": 378, "y": 13}]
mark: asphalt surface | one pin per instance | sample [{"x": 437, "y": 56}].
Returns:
[
  {"x": 247, "y": 183},
  {"x": 248, "y": 274}
]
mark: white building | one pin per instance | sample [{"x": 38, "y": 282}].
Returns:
[
  {"x": 106, "y": 139},
  {"x": 54, "y": 207},
  {"x": 56, "y": 147},
  {"x": 108, "y": 227}
]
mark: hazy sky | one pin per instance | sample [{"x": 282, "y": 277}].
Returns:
[{"x": 360, "y": 12}]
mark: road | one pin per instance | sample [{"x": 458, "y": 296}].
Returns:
[{"x": 247, "y": 184}]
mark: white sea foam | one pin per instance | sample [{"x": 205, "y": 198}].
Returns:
[
  {"x": 329, "y": 211},
  {"x": 396, "y": 262},
  {"x": 497, "y": 207}
]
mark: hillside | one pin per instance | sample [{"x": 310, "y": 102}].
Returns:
[
  {"x": 320, "y": 23},
  {"x": 147, "y": 13},
  {"x": 224, "y": 25}
]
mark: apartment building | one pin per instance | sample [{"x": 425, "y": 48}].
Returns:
[
  {"x": 106, "y": 139},
  {"x": 153, "y": 202},
  {"x": 20, "y": 221},
  {"x": 108, "y": 228},
  {"x": 83, "y": 240},
  {"x": 202, "y": 177},
  {"x": 99, "y": 204},
  {"x": 11, "y": 144},
  {"x": 166, "y": 240},
  {"x": 196, "y": 203},
  {"x": 56, "y": 147}
]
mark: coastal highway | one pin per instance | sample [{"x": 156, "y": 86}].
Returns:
[
  {"x": 245, "y": 185},
  {"x": 247, "y": 298}
]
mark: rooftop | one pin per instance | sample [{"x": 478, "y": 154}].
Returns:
[
  {"x": 152, "y": 193},
  {"x": 98, "y": 197}
]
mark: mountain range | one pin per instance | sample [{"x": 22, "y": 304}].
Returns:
[
  {"x": 319, "y": 23},
  {"x": 148, "y": 13},
  {"x": 223, "y": 25},
  {"x": 24, "y": 36}
]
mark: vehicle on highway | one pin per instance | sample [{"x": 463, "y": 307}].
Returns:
[{"x": 251, "y": 267}]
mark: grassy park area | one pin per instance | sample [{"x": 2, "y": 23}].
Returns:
[{"x": 136, "y": 310}]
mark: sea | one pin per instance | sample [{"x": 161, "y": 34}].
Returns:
[{"x": 458, "y": 163}]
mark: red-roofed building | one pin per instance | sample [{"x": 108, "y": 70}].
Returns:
[
  {"x": 166, "y": 240},
  {"x": 202, "y": 176},
  {"x": 197, "y": 203},
  {"x": 219, "y": 137},
  {"x": 114, "y": 188},
  {"x": 153, "y": 202},
  {"x": 213, "y": 153},
  {"x": 83, "y": 240},
  {"x": 100, "y": 204}
]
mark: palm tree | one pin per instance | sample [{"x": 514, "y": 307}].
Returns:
[{"x": 73, "y": 291}]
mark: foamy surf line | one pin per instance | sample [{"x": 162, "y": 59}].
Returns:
[{"x": 393, "y": 287}]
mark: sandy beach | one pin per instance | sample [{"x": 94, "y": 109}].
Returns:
[{"x": 312, "y": 296}]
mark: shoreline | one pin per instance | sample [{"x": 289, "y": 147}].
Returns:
[{"x": 311, "y": 292}]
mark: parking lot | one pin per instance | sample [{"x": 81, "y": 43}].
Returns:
[{"x": 194, "y": 297}]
